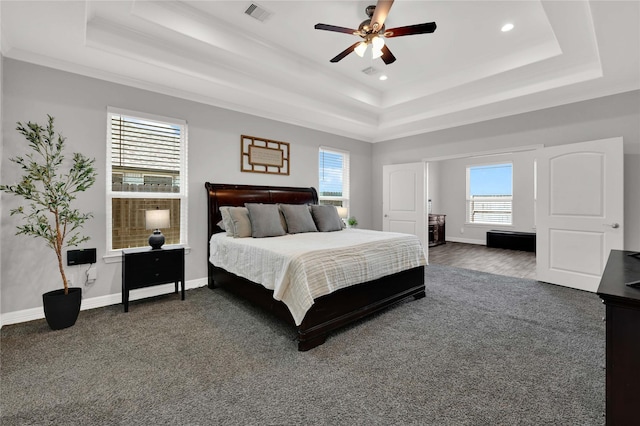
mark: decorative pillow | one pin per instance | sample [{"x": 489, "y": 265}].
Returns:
[
  {"x": 265, "y": 220},
  {"x": 227, "y": 223},
  {"x": 298, "y": 218},
  {"x": 241, "y": 225},
  {"x": 326, "y": 218}
]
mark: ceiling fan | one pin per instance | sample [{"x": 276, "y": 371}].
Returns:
[{"x": 372, "y": 31}]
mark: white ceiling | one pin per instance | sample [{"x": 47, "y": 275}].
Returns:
[{"x": 466, "y": 71}]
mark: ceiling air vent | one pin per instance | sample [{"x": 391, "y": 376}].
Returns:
[
  {"x": 257, "y": 12},
  {"x": 370, "y": 71}
]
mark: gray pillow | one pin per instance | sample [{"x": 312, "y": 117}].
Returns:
[
  {"x": 326, "y": 218},
  {"x": 241, "y": 225},
  {"x": 265, "y": 220},
  {"x": 298, "y": 218},
  {"x": 283, "y": 221}
]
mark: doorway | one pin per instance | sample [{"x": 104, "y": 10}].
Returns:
[{"x": 576, "y": 224}]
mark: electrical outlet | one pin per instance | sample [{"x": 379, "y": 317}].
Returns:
[
  {"x": 462, "y": 230},
  {"x": 92, "y": 274}
]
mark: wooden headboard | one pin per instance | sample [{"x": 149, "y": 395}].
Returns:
[{"x": 220, "y": 194}]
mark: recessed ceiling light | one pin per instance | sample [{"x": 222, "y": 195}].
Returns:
[
  {"x": 507, "y": 27},
  {"x": 382, "y": 77}
]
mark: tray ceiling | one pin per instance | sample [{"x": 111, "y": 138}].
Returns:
[{"x": 468, "y": 70}]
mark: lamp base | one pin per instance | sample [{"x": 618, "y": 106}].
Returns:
[{"x": 156, "y": 240}]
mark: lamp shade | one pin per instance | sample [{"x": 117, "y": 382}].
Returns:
[
  {"x": 156, "y": 219},
  {"x": 342, "y": 212},
  {"x": 377, "y": 42},
  {"x": 360, "y": 48}
]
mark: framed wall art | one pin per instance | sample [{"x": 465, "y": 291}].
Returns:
[{"x": 259, "y": 155}]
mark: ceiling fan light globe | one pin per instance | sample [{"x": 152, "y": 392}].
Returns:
[
  {"x": 376, "y": 53},
  {"x": 377, "y": 42},
  {"x": 360, "y": 49}
]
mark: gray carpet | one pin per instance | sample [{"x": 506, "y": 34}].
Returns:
[{"x": 480, "y": 349}]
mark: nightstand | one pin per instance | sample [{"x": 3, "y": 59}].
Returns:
[{"x": 145, "y": 267}]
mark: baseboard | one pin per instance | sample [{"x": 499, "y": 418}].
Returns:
[
  {"x": 466, "y": 241},
  {"x": 100, "y": 301}
]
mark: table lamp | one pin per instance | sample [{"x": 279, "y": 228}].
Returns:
[{"x": 156, "y": 219}]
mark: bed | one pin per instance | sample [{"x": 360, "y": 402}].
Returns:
[{"x": 328, "y": 312}]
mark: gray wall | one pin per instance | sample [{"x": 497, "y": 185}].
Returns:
[
  {"x": 79, "y": 105},
  {"x": 606, "y": 117}
]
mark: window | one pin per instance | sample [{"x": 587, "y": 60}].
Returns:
[
  {"x": 333, "y": 172},
  {"x": 146, "y": 169},
  {"x": 490, "y": 194}
]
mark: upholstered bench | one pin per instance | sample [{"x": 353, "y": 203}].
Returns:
[{"x": 513, "y": 240}]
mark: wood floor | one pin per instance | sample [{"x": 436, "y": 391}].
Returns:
[{"x": 512, "y": 263}]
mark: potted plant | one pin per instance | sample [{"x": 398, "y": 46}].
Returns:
[
  {"x": 352, "y": 222},
  {"x": 48, "y": 186}
]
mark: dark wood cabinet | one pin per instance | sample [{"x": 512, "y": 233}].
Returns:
[
  {"x": 146, "y": 267},
  {"x": 622, "y": 337},
  {"x": 436, "y": 229}
]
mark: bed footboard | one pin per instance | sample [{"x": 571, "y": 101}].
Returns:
[
  {"x": 350, "y": 304},
  {"x": 334, "y": 310}
]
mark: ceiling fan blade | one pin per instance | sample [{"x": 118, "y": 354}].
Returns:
[
  {"x": 335, "y": 29},
  {"x": 345, "y": 52},
  {"x": 380, "y": 14},
  {"x": 427, "y": 27},
  {"x": 387, "y": 56}
]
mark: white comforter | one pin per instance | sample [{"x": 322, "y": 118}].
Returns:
[{"x": 302, "y": 267}]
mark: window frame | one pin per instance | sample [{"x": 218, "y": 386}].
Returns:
[
  {"x": 467, "y": 219},
  {"x": 182, "y": 195},
  {"x": 346, "y": 178}
]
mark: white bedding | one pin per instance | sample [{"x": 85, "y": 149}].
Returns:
[{"x": 317, "y": 262}]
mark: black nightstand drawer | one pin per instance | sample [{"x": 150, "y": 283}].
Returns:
[
  {"x": 159, "y": 267},
  {"x": 147, "y": 277},
  {"x": 146, "y": 267}
]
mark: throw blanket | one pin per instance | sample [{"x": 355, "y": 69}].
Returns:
[{"x": 302, "y": 267}]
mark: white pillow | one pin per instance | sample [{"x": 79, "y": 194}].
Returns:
[
  {"x": 240, "y": 223},
  {"x": 227, "y": 223}
]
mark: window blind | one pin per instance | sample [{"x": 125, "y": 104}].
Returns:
[
  {"x": 144, "y": 145},
  {"x": 333, "y": 173}
]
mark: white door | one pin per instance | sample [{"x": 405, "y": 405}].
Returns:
[
  {"x": 403, "y": 199},
  {"x": 579, "y": 211}
]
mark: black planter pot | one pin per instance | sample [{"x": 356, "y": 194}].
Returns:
[{"x": 60, "y": 310}]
